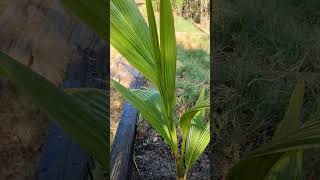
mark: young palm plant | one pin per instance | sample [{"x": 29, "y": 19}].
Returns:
[{"x": 155, "y": 58}]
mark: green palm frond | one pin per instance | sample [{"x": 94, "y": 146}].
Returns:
[
  {"x": 186, "y": 118},
  {"x": 81, "y": 115},
  {"x": 149, "y": 105},
  {"x": 139, "y": 44},
  {"x": 154, "y": 55},
  {"x": 282, "y": 157},
  {"x": 130, "y": 35},
  {"x": 289, "y": 164},
  {"x": 197, "y": 140},
  {"x": 196, "y": 131},
  {"x": 93, "y": 13},
  {"x": 291, "y": 120},
  {"x": 94, "y": 101}
]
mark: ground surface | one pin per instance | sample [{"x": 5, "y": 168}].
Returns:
[
  {"x": 23, "y": 132},
  {"x": 153, "y": 158},
  {"x": 116, "y": 107}
]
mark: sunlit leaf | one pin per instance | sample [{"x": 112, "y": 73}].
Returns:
[
  {"x": 196, "y": 131},
  {"x": 148, "y": 104},
  {"x": 197, "y": 140},
  {"x": 130, "y": 35},
  {"x": 185, "y": 120}
]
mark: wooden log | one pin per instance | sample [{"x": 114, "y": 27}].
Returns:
[
  {"x": 62, "y": 158},
  {"x": 122, "y": 148}
]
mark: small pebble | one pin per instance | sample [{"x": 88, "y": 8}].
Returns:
[{"x": 154, "y": 139}]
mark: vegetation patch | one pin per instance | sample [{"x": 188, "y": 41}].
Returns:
[{"x": 261, "y": 49}]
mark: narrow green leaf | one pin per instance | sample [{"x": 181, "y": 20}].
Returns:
[
  {"x": 290, "y": 163},
  {"x": 304, "y": 138},
  {"x": 197, "y": 140},
  {"x": 201, "y": 96},
  {"x": 194, "y": 128},
  {"x": 276, "y": 159},
  {"x": 148, "y": 104},
  {"x": 168, "y": 56},
  {"x": 95, "y": 102},
  {"x": 72, "y": 117},
  {"x": 186, "y": 118},
  {"x": 153, "y": 33},
  {"x": 139, "y": 44},
  {"x": 93, "y": 13},
  {"x": 291, "y": 120},
  {"x": 130, "y": 35},
  {"x": 289, "y": 166},
  {"x": 248, "y": 168},
  {"x": 2, "y": 72}
]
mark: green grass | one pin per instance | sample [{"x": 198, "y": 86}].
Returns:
[
  {"x": 193, "y": 67},
  {"x": 182, "y": 25},
  {"x": 257, "y": 43},
  {"x": 185, "y": 25}
]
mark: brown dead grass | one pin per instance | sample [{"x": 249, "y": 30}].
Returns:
[{"x": 113, "y": 54}]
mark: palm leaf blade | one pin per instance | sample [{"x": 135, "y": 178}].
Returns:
[
  {"x": 283, "y": 155},
  {"x": 93, "y": 13},
  {"x": 63, "y": 108},
  {"x": 148, "y": 106},
  {"x": 131, "y": 37},
  {"x": 197, "y": 140}
]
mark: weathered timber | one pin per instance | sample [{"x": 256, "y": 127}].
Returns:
[
  {"x": 64, "y": 159},
  {"x": 122, "y": 148}
]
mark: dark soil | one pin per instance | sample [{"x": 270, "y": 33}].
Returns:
[
  {"x": 23, "y": 132},
  {"x": 153, "y": 159}
]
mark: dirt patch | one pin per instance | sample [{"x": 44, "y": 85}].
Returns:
[
  {"x": 153, "y": 158},
  {"x": 23, "y": 132},
  {"x": 124, "y": 73},
  {"x": 116, "y": 107}
]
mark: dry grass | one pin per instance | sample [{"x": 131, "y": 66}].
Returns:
[
  {"x": 256, "y": 43},
  {"x": 116, "y": 107}
]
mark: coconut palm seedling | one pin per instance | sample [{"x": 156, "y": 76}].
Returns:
[
  {"x": 281, "y": 159},
  {"x": 82, "y": 113},
  {"x": 155, "y": 58}
]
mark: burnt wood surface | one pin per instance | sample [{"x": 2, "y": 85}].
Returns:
[{"x": 121, "y": 159}]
